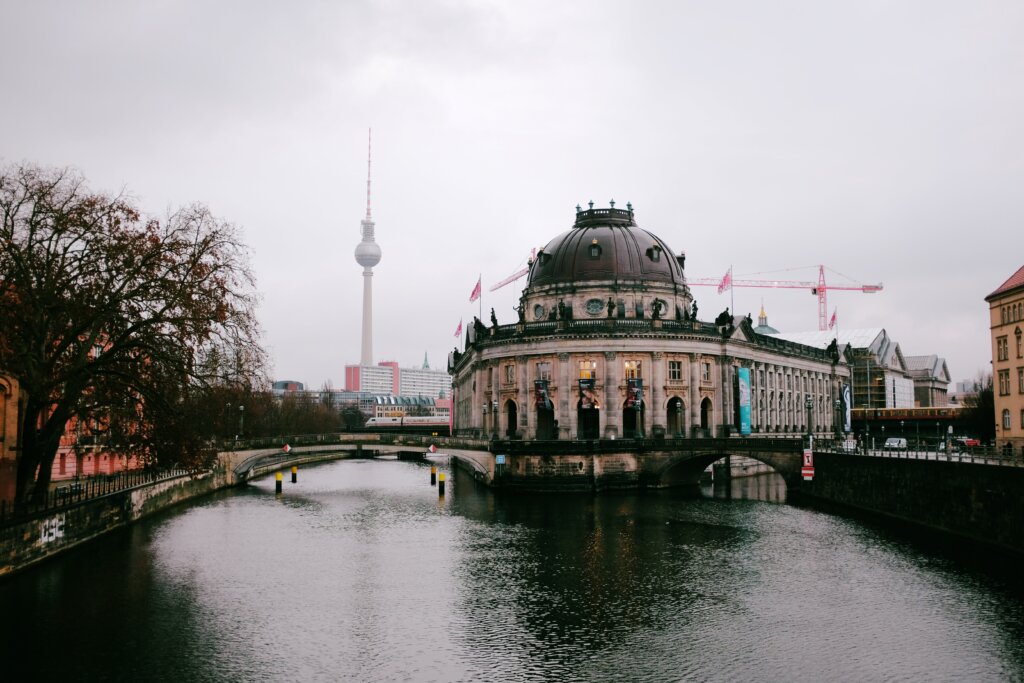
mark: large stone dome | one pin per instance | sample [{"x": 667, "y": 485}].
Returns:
[{"x": 606, "y": 245}]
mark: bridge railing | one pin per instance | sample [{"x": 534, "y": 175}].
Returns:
[
  {"x": 582, "y": 446},
  {"x": 73, "y": 492},
  {"x": 980, "y": 455}
]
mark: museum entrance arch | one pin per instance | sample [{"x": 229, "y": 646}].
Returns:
[
  {"x": 706, "y": 416},
  {"x": 546, "y": 427},
  {"x": 632, "y": 421},
  {"x": 675, "y": 409},
  {"x": 511, "y": 418},
  {"x": 589, "y": 421}
]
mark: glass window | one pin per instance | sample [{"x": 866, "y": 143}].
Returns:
[
  {"x": 588, "y": 369},
  {"x": 705, "y": 372},
  {"x": 510, "y": 374},
  {"x": 544, "y": 370},
  {"x": 1001, "y": 348},
  {"x": 1006, "y": 419},
  {"x": 632, "y": 369},
  {"x": 675, "y": 370},
  {"x": 1020, "y": 380},
  {"x": 1004, "y": 382}
]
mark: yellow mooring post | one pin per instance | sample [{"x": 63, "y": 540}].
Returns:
[
  {"x": 277, "y": 485},
  {"x": 295, "y": 474},
  {"x": 433, "y": 475},
  {"x": 440, "y": 484}
]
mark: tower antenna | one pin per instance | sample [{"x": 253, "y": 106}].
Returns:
[{"x": 369, "y": 160}]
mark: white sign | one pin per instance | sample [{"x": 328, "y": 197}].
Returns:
[{"x": 499, "y": 460}]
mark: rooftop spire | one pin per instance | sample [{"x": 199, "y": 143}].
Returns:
[{"x": 369, "y": 159}]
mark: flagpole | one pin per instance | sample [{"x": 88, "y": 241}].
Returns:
[{"x": 732, "y": 294}]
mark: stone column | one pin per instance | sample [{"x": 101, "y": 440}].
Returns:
[
  {"x": 612, "y": 405},
  {"x": 566, "y": 400},
  {"x": 657, "y": 408},
  {"x": 694, "y": 392},
  {"x": 527, "y": 417},
  {"x": 495, "y": 403},
  {"x": 727, "y": 375}
]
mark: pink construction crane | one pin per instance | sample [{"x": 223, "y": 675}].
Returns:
[
  {"x": 820, "y": 288},
  {"x": 516, "y": 275}
]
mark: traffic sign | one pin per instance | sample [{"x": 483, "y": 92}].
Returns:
[
  {"x": 499, "y": 460},
  {"x": 807, "y": 471}
]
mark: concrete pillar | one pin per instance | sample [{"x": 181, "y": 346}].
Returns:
[
  {"x": 694, "y": 401},
  {"x": 657, "y": 408},
  {"x": 495, "y": 407},
  {"x": 612, "y": 401},
  {"x": 566, "y": 400},
  {"x": 527, "y": 413}
]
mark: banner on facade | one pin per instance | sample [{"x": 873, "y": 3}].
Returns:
[
  {"x": 743, "y": 379},
  {"x": 588, "y": 394},
  {"x": 635, "y": 393},
  {"x": 541, "y": 398},
  {"x": 847, "y": 407}
]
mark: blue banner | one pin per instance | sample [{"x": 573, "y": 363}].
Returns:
[{"x": 743, "y": 375}]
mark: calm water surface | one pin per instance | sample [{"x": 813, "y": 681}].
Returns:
[{"x": 359, "y": 572}]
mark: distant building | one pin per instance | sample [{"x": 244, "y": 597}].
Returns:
[
  {"x": 881, "y": 378},
  {"x": 388, "y": 378},
  {"x": 1006, "y": 316},
  {"x": 286, "y": 386},
  {"x": 762, "y": 323},
  {"x": 931, "y": 380}
]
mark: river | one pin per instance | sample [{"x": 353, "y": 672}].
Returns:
[{"x": 361, "y": 572}]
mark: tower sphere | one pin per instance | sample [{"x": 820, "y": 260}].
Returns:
[{"x": 367, "y": 254}]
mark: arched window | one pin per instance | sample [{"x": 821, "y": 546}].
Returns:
[
  {"x": 1006, "y": 419},
  {"x": 595, "y": 249}
]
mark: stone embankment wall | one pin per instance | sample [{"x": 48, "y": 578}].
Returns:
[
  {"x": 26, "y": 543},
  {"x": 979, "y": 502}
]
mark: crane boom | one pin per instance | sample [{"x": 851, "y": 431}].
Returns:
[
  {"x": 819, "y": 288},
  {"x": 510, "y": 279}
]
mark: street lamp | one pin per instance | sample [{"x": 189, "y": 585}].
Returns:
[
  {"x": 839, "y": 418},
  {"x": 808, "y": 404},
  {"x": 679, "y": 418},
  {"x": 241, "y": 421}
]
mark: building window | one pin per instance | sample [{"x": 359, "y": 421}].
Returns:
[
  {"x": 588, "y": 369},
  {"x": 1002, "y": 349},
  {"x": 1006, "y": 419},
  {"x": 490, "y": 376},
  {"x": 510, "y": 374},
  {"x": 1020, "y": 380},
  {"x": 675, "y": 371},
  {"x": 1017, "y": 333},
  {"x": 632, "y": 369},
  {"x": 1022, "y": 419},
  {"x": 595, "y": 249},
  {"x": 544, "y": 370},
  {"x": 1004, "y": 382},
  {"x": 705, "y": 372}
]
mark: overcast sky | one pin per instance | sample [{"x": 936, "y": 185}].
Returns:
[{"x": 882, "y": 139}]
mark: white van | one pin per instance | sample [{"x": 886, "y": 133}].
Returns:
[{"x": 895, "y": 443}]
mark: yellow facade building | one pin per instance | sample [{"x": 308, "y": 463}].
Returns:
[{"x": 1006, "y": 314}]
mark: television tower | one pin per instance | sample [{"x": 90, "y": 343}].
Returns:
[{"x": 367, "y": 255}]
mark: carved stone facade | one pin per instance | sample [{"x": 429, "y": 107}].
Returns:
[{"x": 572, "y": 372}]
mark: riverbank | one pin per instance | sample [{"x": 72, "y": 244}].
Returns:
[{"x": 27, "y": 541}]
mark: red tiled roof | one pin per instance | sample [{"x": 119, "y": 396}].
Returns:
[{"x": 1016, "y": 280}]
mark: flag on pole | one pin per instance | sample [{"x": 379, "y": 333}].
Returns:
[
  {"x": 832, "y": 322},
  {"x": 726, "y": 282},
  {"x": 458, "y": 330},
  {"x": 475, "y": 294}
]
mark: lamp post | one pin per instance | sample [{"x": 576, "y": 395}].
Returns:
[
  {"x": 241, "y": 421},
  {"x": 679, "y": 418},
  {"x": 227, "y": 421},
  {"x": 839, "y": 418},
  {"x": 937, "y": 425},
  {"x": 808, "y": 404}
]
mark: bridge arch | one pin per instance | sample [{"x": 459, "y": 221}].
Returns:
[{"x": 685, "y": 468}]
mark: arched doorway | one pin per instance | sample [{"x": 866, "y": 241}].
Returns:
[
  {"x": 633, "y": 421},
  {"x": 546, "y": 421},
  {"x": 705, "y": 416},
  {"x": 675, "y": 409},
  {"x": 589, "y": 421},
  {"x": 512, "y": 415}
]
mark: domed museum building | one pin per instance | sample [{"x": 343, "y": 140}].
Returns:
[{"x": 610, "y": 345}]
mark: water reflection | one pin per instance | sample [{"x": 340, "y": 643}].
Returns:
[{"x": 361, "y": 572}]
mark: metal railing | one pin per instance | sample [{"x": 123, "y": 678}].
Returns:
[
  {"x": 979, "y": 455},
  {"x": 73, "y": 492}
]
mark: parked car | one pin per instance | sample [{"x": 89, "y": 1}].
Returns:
[{"x": 895, "y": 443}]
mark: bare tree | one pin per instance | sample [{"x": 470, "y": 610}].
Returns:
[{"x": 116, "y": 320}]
